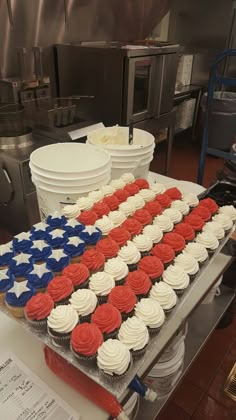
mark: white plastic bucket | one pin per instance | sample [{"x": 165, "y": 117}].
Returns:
[
  {"x": 50, "y": 202},
  {"x": 215, "y": 291},
  {"x": 132, "y": 406},
  {"x": 139, "y": 172}
]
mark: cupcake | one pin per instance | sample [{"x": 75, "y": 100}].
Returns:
[
  {"x": 74, "y": 247},
  {"x": 130, "y": 255},
  {"x": 94, "y": 260},
  {"x": 56, "y": 220},
  {"x": 137, "y": 201},
  {"x": 198, "y": 251},
  {"x": 16, "y": 298},
  {"x": 78, "y": 274},
  {"x": 143, "y": 243},
  {"x": 165, "y": 253},
  {"x": 164, "y": 295},
  {"x": 57, "y": 260},
  {"x": 214, "y": 228},
  {"x": 108, "y": 247},
  {"x": 195, "y": 221},
  {"x": 229, "y": 211},
  {"x": 57, "y": 238},
  {"x": 39, "y": 231},
  {"x": 180, "y": 206},
  {"x": 40, "y": 250},
  {"x": 153, "y": 207},
  {"x": 123, "y": 298},
  {"x": 164, "y": 223},
  {"x": 105, "y": 225},
  {"x": 142, "y": 183},
  {"x": 60, "y": 324},
  {"x": 134, "y": 335},
  {"x": 225, "y": 221},
  {"x": 175, "y": 240},
  {"x": 128, "y": 178},
  {"x": 39, "y": 277},
  {"x": 209, "y": 240},
  {"x": 147, "y": 195},
  {"x": 22, "y": 242},
  {"x": 128, "y": 208},
  {"x": 190, "y": 199},
  {"x": 85, "y": 342},
  {"x": 153, "y": 267},
  {"x": 112, "y": 202},
  {"x": 120, "y": 235},
  {"x": 133, "y": 226},
  {"x": 84, "y": 301},
  {"x": 101, "y": 284},
  {"x": 73, "y": 227},
  {"x": 177, "y": 278},
  {"x": 90, "y": 235},
  {"x": 96, "y": 196},
  {"x": 210, "y": 204},
  {"x": 143, "y": 216},
  {"x": 107, "y": 190},
  {"x": 164, "y": 200},
  {"x": 188, "y": 263},
  {"x": 185, "y": 230},
  {"x": 139, "y": 282},
  {"x": 20, "y": 265},
  {"x": 174, "y": 215},
  {"x": 157, "y": 188},
  {"x": 85, "y": 203},
  {"x": 6, "y": 283},
  {"x": 60, "y": 289},
  {"x": 117, "y": 217},
  {"x": 118, "y": 269},
  {"x": 71, "y": 211},
  {"x": 108, "y": 320},
  {"x": 37, "y": 309},
  {"x": 154, "y": 232},
  {"x": 203, "y": 212},
  {"x": 132, "y": 189},
  {"x": 101, "y": 209},
  {"x": 118, "y": 184},
  {"x": 121, "y": 195},
  {"x": 152, "y": 314},
  {"x": 87, "y": 217},
  {"x": 6, "y": 254},
  {"x": 174, "y": 193},
  {"x": 114, "y": 359}
]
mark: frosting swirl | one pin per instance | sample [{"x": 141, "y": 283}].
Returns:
[
  {"x": 134, "y": 333},
  {"x": 154, "y": 232},
  {"x": 71, "y": 211},
  {"x": 129, "y": 253},
  {"x": 174, "y": 215},
  {"x": 157, "y": 188},
  {"x": 39, "y": 230},
  {"x": 90, "y": 234},
  {"x": 142, "y": 183},
  {"x": 152, "y": 266},
  {"x": 208, "y": 239},
  {"x": 229, "y": 211},
  {"x": 87, "y": 217},
  {"x": 174, "y": 193},
  {"x": 164, "y": 252},
  {"x": 6, "y": 254},
  {"x": 198, "y": 251},
  {"x": 86, "y": 339},
  {"x": 139, "y": 282},
  {"x": 164, "y": 294},
  {"x": 40, "y": 250},
  {"x": 105, "y": 225},
  {"x": 96, "y": 195},
  {"x": 101, "y": 209},
  {"x": 57, "y": 238},
  {"x": 223, "y": 220},
  {"x": 132, "y": 189},
  {"x": 121, "y": 195},
  {"x": 84, "y": 301},
  {"x": 137, "y": 201},
  {"x": 143, "y": 216},
  {"x": 21, "y": 264},
  {"x": 147, "y": 195},
  {"x": 60, "y": 288},
  {"x": 39, "y": 307},
  {"x": 22, "y": 242},
  {"x": 164, "y": 223},
  {"x": 190, "y": 199},
  {"x": 56, "y": 220},
  {"x": 117, "y": 268},
  {"x": 107, "y": 190},
  {"x": 133, "y": 226},
  {"x": 209, "y": 204},
  {"x": 63, "y": 319},
  {"x": 214, "y": 228},
  {"x": 19, "y": 294},
  {"x": 151, "y": 312},
  {"x": 175, "y": 240},
  {"x": 164, "y": 200},
  {"x": 112, "y": 202},
  {"x": 118, "y": 184},
  {"x": 185, "y": 230},
  {"x": 39, "y": 276},
  {"x": 128, "y": 208},
  {"x": 85, "y": 203},
  {"x": 6, "y": 280},
  {"x": 107, "y": 318},
  {"x": 101, "y": 283},
  {"x": 120, "y": 235},
  {"x": 73, "y": 227},
  {"x": 180, "y": 206},
  {"x": 187, "y": 262},
  {"x": 143, "y": 242},
  {"x": 108, "y": 247},
  {"x": 176, "y": 277},
  {"x": 195, "y": 221},
  {"x": 128, "y": 177},
  {"x": 153, "y": 207},
  {"x": 203, "y": 212},
  {"x": 117, "y": 217},
  {"x": 57, "y": 260},
  {"x": 123, "y": 298},
  {"x": 78, "y": 273},
  {"x": 93, "y": 259},
  {"x": 113, "y": 357}
]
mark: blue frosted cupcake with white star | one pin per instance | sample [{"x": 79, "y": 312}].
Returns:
[
  {"x": 6, "y": 282},
  {"x": 57, "y": 260},
  {"x": 6, "y": 254},
  {"x": 22, "y": 242},
  {"x": 39, "y": 277},
  {"x": 20, "y": 265},
  {"x": 40, "y": 250},
  {"x": 90, "y": 235},
  {"x": 39, "y": 231},
  {"x": 73, "y": 227},
  {"x": 57, "y": 238},
  {"x": 17, "y": 297},
  {"x": 74, "y": 248},
  {"x": 56, "y": 220}
]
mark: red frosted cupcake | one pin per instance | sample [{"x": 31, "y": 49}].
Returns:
[
  {"x": 101, "y": 209},
  {"x": 120, "y": 235},
  {"x": 195, "y": 221},
  {"x": 124, "y": 299},
  {"x": 176, "y": 241},
  {"x": 203, "y": 212},
  {"x": 87, "y": 217},
  {"x": 142, "y": 183},
  {"x": 164, "y": 200},
  {"x": 121, "y": 195},
  {"x": 108, "y": 320},
  {"x": 132, "y": 189},
  {"x": 112, "y": 202},
  {"x": 153, "y": 267},
  {"x": 85, "y": 341},
  {"x": 174, "y": 193},
  {"x": 78, "y": 274},
  {"x": 93, "y": 259},
  {"x": 60, "y": 289},
  {"x": 139, "y": 282},
  {"x": 37, "y": 310},
  {"x": 165, "y": 253},
  {"x": 143, "y": 216},
  {"x": 108, "y": 247},
  {"x": 153, "y": 207},
  {"x": 133, "y": 226},
  {"x": 210, "y": 204},
  {"x": 185, "y": 230}
]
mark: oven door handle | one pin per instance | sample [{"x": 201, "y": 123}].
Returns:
[{"x": 7, "y": 190}]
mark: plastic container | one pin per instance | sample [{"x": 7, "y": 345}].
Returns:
[
  {"x": 132, "y": 406},
  {"x": 173, "y": 348},
  {"x": 215, "y": 291}
]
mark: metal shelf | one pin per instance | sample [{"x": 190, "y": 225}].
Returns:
[{"x": 200, "y": 325}]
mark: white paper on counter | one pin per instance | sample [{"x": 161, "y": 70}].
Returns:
[{"x": 23, "y": 396}]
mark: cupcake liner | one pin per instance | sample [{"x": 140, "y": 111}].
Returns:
[
  {"x": 153, "y": 331},
  {"x": 16, "y": 311},
  {"x": 83, "y": 285},
  {"x": 166, "y": 265},
  {"x": 57, "y": 273},
  {"x": 41, "y": 290},
  {"x": 138, "y": 353},
  {"x": 2, "y": 298},
  {"x": 39, "y": 325},
  {"x": 20, "y": 279},
  {"x": 39, "y": 262},
  {"x": 156, "y": 280},
  {"x": 192, "y": 276},
  {"x": 85, "y": 318},
  {"x": 211, "y": 252},
  {"x": 202, "y": 263},
  {"x": 63, "y": 301},
  {"x": 102, "y": 299},
  {"x": 178, "y": 252},
  {"x": 145, "y": 253},
  {"x": 4, "y": 267},
  {"x": 142, "y": 296},
  {"x": 59, "y": 339},
  {"x": 168, "y": 311},
  {"x": 120, "y": 282},
  {"x": 75, "y": 259},
  {"x": 87, "y": 360},
  {"x": 113, "y": 378},
  {"x": 96, "y": 271},
  {"x": 112, "y": 335},
  {"x": 179, "y": 292},
  {"x": 132, "y": 267},
  {"x": 126, "y": 315}
]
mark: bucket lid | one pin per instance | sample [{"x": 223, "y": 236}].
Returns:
[
  {"x": 169, "y": 367},
  {"x": 129, "y": 406}
]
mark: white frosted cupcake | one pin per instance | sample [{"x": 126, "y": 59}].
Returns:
[
  {"x": 214, "y": 228},
  {"x": 117, "y": 217},
  {"x": 165, "y": 295},
  {"x": 60, "y": 323},
  {"x": 137, "y": 201},
  {"x": 224, "y": 221},
  {"x": 127, "y": 177},
  {"x": 101, "y": 284},
  {"x": 209, "y": 240},
  {"x": 181, "y": 206},
  {"x": 151, "y": 312},
  {"x": 134, "y": 334},
  {"x": 130, "y": 255},
  {"x": 71, "y": 211},
  {"x": 105, "y": 225},
  {"x": 143, "y": 243},
  {"x": 113, "y": 359},
  {"x": 147, "y": 194},
  {"x": 157, "y": 188},
  {"x": 164, "y": 223},
  {"x": 198, "y": 251},
  {"x": 85, "y": 203},
  {"x": 118, "y": 269},
  {"x": 154, "y": 232},
  {"x": 84, "y": 301},
  {"x": 190, "y": 199},
  {"x": 188, "y": 263},
  {"x": 118, "y": 184},
  {"x": 229, "y": 211},
  {"x": 177, "y": 278},
  {"x": 174, "y": 215},
  {"x": 128, "y": 208},
  {"x": 107, "y": 190},
  {"x": 96, "y": 196}
]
